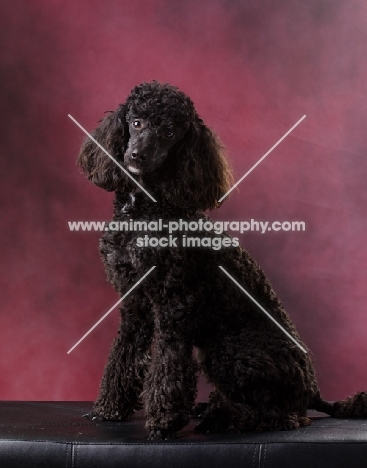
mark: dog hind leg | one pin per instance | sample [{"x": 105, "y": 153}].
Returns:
[{"x": 257, "y": 387}]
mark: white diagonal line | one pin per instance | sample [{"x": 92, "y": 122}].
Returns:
[
  {"x": 105, "y": 315},
  {"x": 261, "y": 159},
  {"x": 111, "y": 157},
  {"x": 263, "y": 310}
]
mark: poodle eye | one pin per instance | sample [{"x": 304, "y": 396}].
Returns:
[
  {"x": 169, "y": 134},
  {"x": 137, "y": 124}
]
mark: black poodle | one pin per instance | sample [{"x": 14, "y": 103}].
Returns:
[{"x": 262, "y": 379}]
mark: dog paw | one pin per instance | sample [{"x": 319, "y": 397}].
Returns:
[
  {"x": 100, "y": 414},
  {"x": 161, "y": 434},
  {"x": 199, "y": 410},
  {"x": 92, "y": 416},
  {"x": 203, "y": 428},
  {"x": 211, "y": 426}
]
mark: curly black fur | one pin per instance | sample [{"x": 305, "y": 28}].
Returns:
[{"x": 262, "y": 380}]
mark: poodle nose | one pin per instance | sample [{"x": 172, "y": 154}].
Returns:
[{"x": 137, "y": 156}]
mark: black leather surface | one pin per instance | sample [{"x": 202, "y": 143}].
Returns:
[{"x": 54, "y": 434}]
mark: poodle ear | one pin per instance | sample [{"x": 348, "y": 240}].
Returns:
[
  {"x": 203, "y": 172},
  {"x": 113, "y": 135}
]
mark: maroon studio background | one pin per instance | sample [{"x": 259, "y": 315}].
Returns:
[{"x": 253, "y": 69}]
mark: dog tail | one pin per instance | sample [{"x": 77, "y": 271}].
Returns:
[{"x": 353, "y": 407}]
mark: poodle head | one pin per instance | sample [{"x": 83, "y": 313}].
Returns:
[
  {"x": 158, "y": 118},
  {"x": 159, "y": 139}
]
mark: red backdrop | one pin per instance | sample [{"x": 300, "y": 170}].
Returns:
[{"x": 253, "y": 69}]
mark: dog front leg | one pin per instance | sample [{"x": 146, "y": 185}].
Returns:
[
  {"x": 122, "y": 382},
  {"x": 170, "y": 387}
]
